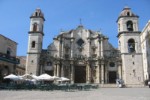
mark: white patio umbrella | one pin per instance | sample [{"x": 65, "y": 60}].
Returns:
[
  {"x": 63, "y": 79},
  {"x": 45, "y": 77},
  {"x": 29, "y": 77},
  {"x": 12, "y": 77},
  {"x": 55, "y": 77},
  {"x": 35, "y": 77}
]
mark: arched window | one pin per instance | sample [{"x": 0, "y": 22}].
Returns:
[
  {"x": 33, "y": 44},
  {"x": 36, "y": 13},
  {"x": 128, "y": 13},
  {"x": 35, "y": 27},
  {"x": 129, "y": 26},
  {"x": 131, "y": 45},
  {"x": 8, "y": 51}
]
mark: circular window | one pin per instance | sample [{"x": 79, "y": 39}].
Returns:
[{"x": 112, "y": 64}]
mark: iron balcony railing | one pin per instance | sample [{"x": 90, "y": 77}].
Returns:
[{"x": 8, "y": 58}]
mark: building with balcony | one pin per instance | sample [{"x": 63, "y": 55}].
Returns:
[
  {"x": 8, "y": 60},
  {"x": 20, "y": 68}
]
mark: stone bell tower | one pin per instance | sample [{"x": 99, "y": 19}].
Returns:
[
  {"x": 129, "y": 46},
  {"x": 35, "y": 39}
]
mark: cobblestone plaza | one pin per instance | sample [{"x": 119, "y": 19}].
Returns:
[{"x": 98, "y": 94}]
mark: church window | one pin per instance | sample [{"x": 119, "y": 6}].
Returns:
[
  {"x": 33, "y": 44},
  {"x": 131, "y": 45},
  {"x": 134, "y": 72},
  {"x": 35, "y": 27},
  {"x": 49, "y": 63},
  {"x": 133, "y": 63},
  {"x": 112, "y": 64},
  {"x": 128, "y": 13},
  {"x": 129, "y": 26},
  {"x": 80, "y": 42}
]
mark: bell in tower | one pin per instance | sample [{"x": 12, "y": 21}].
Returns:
[{"x": 129, "y": 26}]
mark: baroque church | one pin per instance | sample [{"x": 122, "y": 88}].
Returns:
[{"x": 86, "y": 56}]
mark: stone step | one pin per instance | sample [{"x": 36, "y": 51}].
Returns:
[{"x": 107, "y": 85}]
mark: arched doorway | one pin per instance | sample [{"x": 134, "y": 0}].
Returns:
[{"x": 80, "y": 74}]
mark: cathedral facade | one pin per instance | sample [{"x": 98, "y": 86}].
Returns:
[{"x": 86, "y": 56}]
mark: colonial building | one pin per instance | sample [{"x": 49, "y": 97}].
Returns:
[
  {"x": 86, "y": 56},
  {"x": 8, "y": 58},
  {"x": 145, "y": 46}
]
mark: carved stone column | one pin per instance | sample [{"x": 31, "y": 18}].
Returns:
[
  {"x": 72, "y": 73},
  {"x": 88, "y": 76},
  {"x": 97, "y": 73},
  {"x": 98, "y": 45},
  {"x": 102, "y": 72},
  {"x": 58, "y": 70},
  {"x": 102, "y": 49},
  {"x": 62, "y": 70},
  {"x": 106, "y": 74},
  {"x": 88, "y": 48},
  {"x": 55, "y": 70},
  {"x": 71, "y": 49},
  {"x": 119, "y": 70},
  {"x": 62, "y": 48}
]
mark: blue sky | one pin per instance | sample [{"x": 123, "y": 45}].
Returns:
[{"x": 64, "y": 15}]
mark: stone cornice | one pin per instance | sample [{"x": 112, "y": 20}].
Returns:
[
  {"x": 34, "y": 32},
  {"x": 130, "y": 53},
  {"x": 126, "y": 17},
  {"x": 128, "y": 32},
  {"x": 33, "y": 53},
  {"x": 38, "y": 17}
]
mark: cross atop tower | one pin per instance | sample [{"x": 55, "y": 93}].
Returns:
[{"x": 80, "y": 21}]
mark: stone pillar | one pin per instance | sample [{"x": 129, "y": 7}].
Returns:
[
  {"x": 102, "y": 72},
  {"x": 55, "y": 70},
  {"x": 62, "y": 48},
  {"x": 58, "y": 70},
  {"x": 88, "y": 76},
  {"x": 98, "y": 45},
  {"x": 71, "y": 50},
  {"x": 62, "y": 70},
  {"x": 106, "y": 74},
  {"x": 119, "y": 70},
  {"x": 72, "y": 73},
  {"x": 97, "y": 73},
  {"x": 102, "y": 62},
  {"x": 102, "y": 49},
  {"x": 88, "y": 48}
]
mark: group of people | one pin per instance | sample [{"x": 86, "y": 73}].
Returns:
[{"x": 119, "y": 83}]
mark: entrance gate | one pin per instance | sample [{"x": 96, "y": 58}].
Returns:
[
  {"x": 80, "y": 74},
  {"x": 112, "y": 77}
]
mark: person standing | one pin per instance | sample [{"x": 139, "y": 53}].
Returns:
[{"x": 149, "y": 83}]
